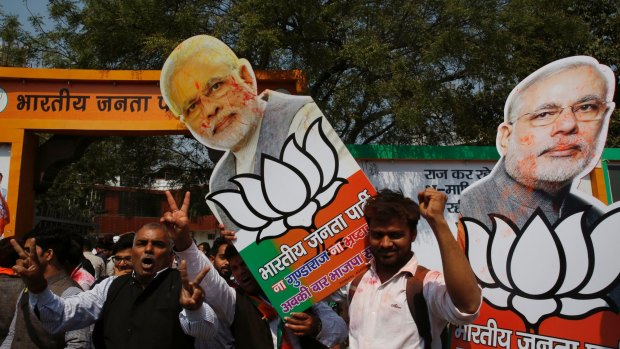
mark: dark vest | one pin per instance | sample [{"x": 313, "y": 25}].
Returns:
[
  {"x": 250, "y": 331},
  {"x": 279, "y": 114},
  {"x": 29, "y": 333},
  {"x": 137, "y": 318}
]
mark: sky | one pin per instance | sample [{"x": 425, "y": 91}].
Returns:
[{"x": 20, "y": 8}]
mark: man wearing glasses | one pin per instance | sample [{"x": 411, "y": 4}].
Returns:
[
  {"x": 122, "y": 255},
  {"x": 554, "y": 130}
]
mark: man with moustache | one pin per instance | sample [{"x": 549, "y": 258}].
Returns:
[
  {"x": 554, "y": 130},
  {"x": 398, "y": 303},
  {"x": 137, "y": 309},
  {"x": 224, "y": 338},
  {"x": 214, "y": 93}
]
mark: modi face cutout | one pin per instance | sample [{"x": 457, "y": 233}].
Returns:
[
  {"x": 556, "y": 123},
  {"x": 212, "y": 91}
]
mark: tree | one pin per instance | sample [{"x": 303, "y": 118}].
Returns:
[
  {"x": 424, "y": 72},
  {"x": 384, "y": 71},
  {"x": 15, "y": 50},
  {"x": 427, "y": 72}
]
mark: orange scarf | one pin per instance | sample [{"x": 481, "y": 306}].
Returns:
[{"x": 7, "y": 271}]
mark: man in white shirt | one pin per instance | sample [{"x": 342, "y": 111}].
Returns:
[
  {"x": 26, "y": 330},
  {"x": 379, "y": 311}
]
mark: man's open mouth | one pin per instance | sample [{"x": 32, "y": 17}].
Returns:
[{"x": 147, "y": 263}]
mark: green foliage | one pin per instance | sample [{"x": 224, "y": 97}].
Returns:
[
  {"x": 15, "y": 50},
  {"x": 430, "y": 72},
  {"x": 423, "y": 72},
  {"x": 427, "y": 72}
]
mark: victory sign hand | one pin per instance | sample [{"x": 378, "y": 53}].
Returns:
[
  {"x": 192, "y": 295},
  {"x": 29, "y": 267},
  {"x": 177, "y": 220}
]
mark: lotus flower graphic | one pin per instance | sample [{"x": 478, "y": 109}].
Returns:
[
  {"x": 290, "y": 189},
  {"x": 544, "y": 270}
]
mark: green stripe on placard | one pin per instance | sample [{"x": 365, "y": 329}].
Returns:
[
  {"x": 412, "y": 152},
  {"x": 610, "y": 198},
  {"x": 424, "y": 152},
  {"x": 257, "y": 255}
]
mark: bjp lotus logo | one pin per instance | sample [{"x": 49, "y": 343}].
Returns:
[
  {"x": 542, "y": 271},
  {"x": 290, "y": 190}
]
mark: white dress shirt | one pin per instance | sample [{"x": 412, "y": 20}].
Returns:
[{"x": 380, "y": 316}]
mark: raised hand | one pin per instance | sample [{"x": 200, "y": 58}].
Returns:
[
  {"x": 177, "y": 221},
  {"x": 192, "y": 295},
  {"x": 29, "y": 267},
  {"x": 460, "y": 280},
  {"x": 432, "y": 204}
]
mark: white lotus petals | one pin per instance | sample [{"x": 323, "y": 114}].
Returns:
[
  {"x": 239, "y": 211},
  {"x": 252, "y": 190},
  {"x": 284, "y": 187},
  {"x": 542, "y": 271},
  {"x": 290, "y": 190},
  {"x": 605, "y": 241},
  {"x": 536, "y": 250}
]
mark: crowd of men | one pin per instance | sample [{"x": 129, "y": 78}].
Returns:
[
  {"x": 212, "y": 300},
  {"x": 165, "y": 292}
]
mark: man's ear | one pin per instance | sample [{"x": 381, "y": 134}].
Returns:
[
  {"x": 504, "y": 131},
  {"x": 247, "y": 74},
  {"x": 48, "y": 255}
]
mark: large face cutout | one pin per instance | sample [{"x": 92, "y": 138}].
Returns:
[
  {"x": 218, "y": 102},
  {"x": 556, "y": 153},
  {"x": 542, "y": 249}
]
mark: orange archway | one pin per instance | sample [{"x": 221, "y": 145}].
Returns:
[{"x": 84, "y": 102}]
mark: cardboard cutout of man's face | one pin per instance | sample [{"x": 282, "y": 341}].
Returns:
[
  {"x": 546, "y": 258},
  {"x": 541, "y": 156},
  {"x": 213, "y": 92}
]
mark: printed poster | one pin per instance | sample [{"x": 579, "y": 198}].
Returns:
[
  {"x": 545, "y": 253},
  {"x": 302, "y": 228},
  {"x": 286, "y": 183}
]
